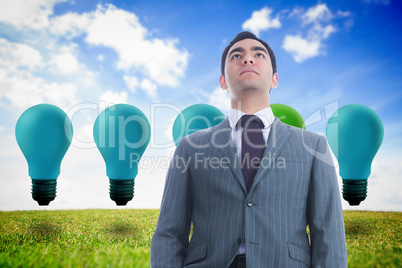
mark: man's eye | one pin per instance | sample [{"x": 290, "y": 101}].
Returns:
[
  {"x": 236, "y": 56},
  {"x": 260, "y": 55}
]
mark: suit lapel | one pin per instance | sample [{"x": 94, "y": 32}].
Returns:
[
  {"x": 221, "y": 137},
  {"x": 278, "y": 137}
]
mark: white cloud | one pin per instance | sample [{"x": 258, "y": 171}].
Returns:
[
  {"x": 168, "y": 130},
  {"x": 89, "y": 78},
  {"x": 261, "y": 21},
  {"x": 24, "y": 90},
  {"x": 65, "y": 62},
  {"x": 341, "y": 13},
  {"x": 296, "y": 12},
  {"x": 20, "y": 87},
  {"x": 384, "y": 184},
  {"x": 33, "y": 14},
  {"x": 112, "y": 97},
  {"x": 70, "y": 24},
  {"x": 149, "y": 87},
  {"x": 395, "y": 198},
  {"x": 303, "y": 48},
  {"x": 317, "y": 13},
  {"x": 318, "y": 32},
  {"x": 14, "y": 55},
  {"x": 220, "y": 99},
  {"x": 83, "y": 135},
  {"x": 300, "y": 48},
  {"x": 131, "y": 82},
  {"x": 159, "y": 60}
]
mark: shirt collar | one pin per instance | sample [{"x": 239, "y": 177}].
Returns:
[{"x": 266, "y": 115}]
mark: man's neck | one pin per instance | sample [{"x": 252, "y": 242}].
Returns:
[{"x": 250, "y": 105}]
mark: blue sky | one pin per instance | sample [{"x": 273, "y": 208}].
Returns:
[{"x": 162, "y": 56}]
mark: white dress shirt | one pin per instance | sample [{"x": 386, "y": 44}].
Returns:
[{"x": 267, "y": 117}]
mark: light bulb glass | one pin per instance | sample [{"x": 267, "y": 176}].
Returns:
[
  {"x": 44, "y": 133},
  {"x": 194, "y": 118},
  {"x": 121, "y": 133},
  {"x": 288, "y": 115},
  {"x": 354, "y": 133}
]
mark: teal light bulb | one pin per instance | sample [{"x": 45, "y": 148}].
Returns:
[
  {"x": 121, "y": 133},
  {"x": 194, "y": 118},
  {"x": 44, "y": 133},
  {"x": 288, "y": 115},
  {"x": 355, "y": 133}
]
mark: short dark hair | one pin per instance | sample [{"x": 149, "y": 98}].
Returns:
[{"x": 247, "y": 35}]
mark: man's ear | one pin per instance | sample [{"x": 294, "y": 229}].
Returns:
[
  {"x": 222, "y": 82},
  {"x": 275, "y": 80}
]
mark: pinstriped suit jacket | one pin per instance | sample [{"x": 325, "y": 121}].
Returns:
[{"x": 295, "y": 186}]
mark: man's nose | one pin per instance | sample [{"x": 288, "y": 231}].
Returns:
[{"x": 248, "y": 58}]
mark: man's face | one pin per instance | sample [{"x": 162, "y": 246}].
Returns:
[{"x": 248, "y": 67}]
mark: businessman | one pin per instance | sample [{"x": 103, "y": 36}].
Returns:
[{"x": 251, "y": 185}]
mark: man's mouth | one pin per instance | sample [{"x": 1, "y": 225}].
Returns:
[{"x": 248, "y": 70}]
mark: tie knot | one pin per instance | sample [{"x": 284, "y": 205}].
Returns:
[{"x": 251, "y": 122}]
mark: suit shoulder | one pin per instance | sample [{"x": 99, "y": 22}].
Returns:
[
  {"x": 305, "y": 135},
  {"x": 306, "y": 132},
  {"x": 205, "y": 134},
  {"x": 309, "y": 139},
  {"x": 198, "y": 136}
]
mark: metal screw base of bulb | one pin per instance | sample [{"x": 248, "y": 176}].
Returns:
[
  {"x": 354, "y": 191},
  {"x": 121, "y": 191},
  {"x": 44, "y": 191}
]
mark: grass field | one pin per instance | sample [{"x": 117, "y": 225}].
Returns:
[{"x": 121, "y": 238}]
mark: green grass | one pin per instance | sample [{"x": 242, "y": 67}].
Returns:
[
  {"x": 76, "y": 238},
  {"x": 121, "y": 238},
  {"x": 373, "y": 239}
]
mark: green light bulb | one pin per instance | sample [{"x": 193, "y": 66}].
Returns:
[
  {"x": 355, "y": 133},
  {"x": 288, "y": 115},
  {"x": 121, "y": 133},
  {"x": 44, "y": 133},
  {"x": 194, "y": 118}
]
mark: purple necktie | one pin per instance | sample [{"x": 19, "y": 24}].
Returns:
[{"x": 252, "y": 147}]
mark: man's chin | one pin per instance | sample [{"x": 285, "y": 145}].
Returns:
[{"x": 250, "y": 84}]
